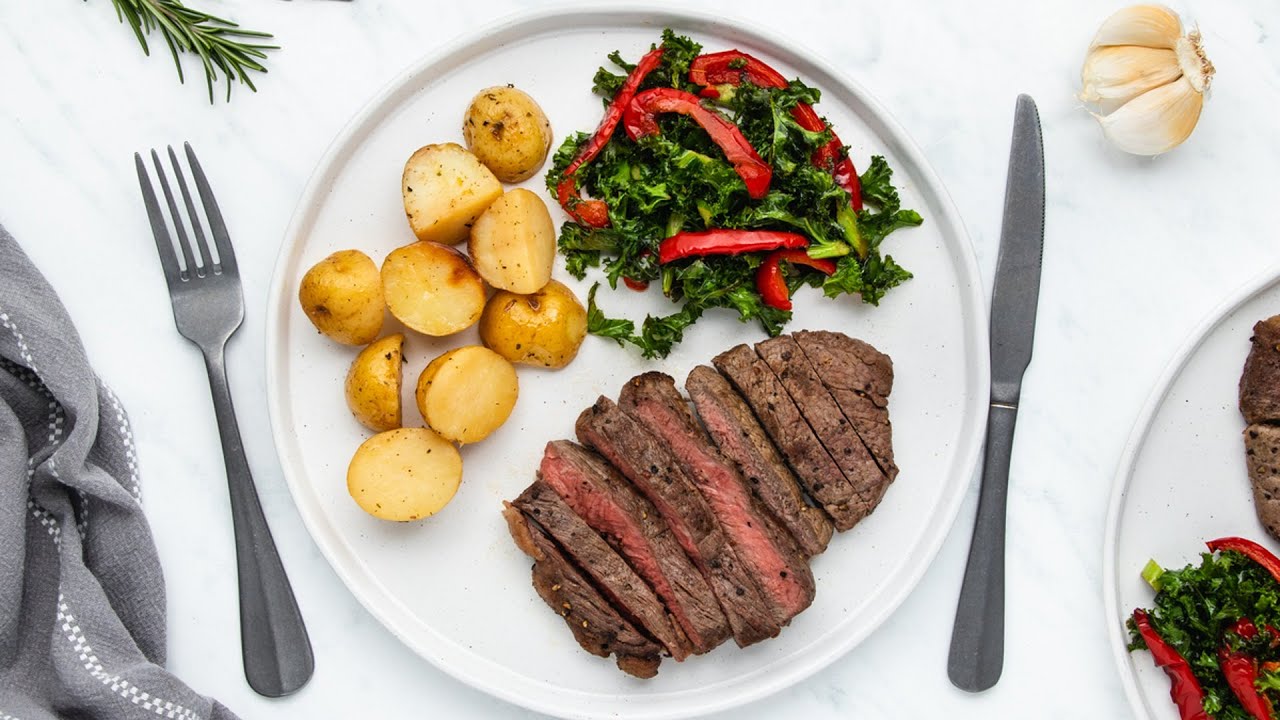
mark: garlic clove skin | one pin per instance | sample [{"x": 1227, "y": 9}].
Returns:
[
  {"x": 1117, "y": 74},
  {"x": 1153, "y": 26},
  {"x": 1156, "y": 121}
]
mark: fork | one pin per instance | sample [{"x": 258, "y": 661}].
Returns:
[{"x": 208, "y": 307}]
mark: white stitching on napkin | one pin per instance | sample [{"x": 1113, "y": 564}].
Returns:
[
  {"x": 118, "y": 685},
  {"x": 22, "y": 343},
  {"x": 126, "y": 437}
]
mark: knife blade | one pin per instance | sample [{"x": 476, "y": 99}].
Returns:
[{"x": 976, "y": 657}]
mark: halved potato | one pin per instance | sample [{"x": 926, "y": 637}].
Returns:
[
  {"x": 432, "y": 288},
  {"x": 467, "y": 393},
  {"x": 373, "y": 384},
  {"x": 508, "y": 131},
  {"x": 445, "y": 189},
  {"x": 544, "y": 328},
  {"x": 404, "y": 474},
  {"x": 342, "y": 297},
  {"x": 513, "y": 244}
]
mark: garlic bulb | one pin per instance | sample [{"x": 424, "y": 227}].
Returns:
[{"x": 1146, "y": 78}]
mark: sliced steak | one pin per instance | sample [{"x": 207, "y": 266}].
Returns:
[
  {"x": 781, "y": 419},
  {"x": 775, "y": 561},
  {"x": 833, "y": 430},
  {"x": 860, "y": 378},
  {"x": 645, "y": 460},
  {"x": 630, "y": 523},
  {"x": 634, "y": 527},
  {"x": 1262, "y": 455},
  {"x": 597, "y": 626},
  {"x": 611, "y": 574},
  {"x": 1260, "y": 381},
  {"x": 741, "y": 439}
]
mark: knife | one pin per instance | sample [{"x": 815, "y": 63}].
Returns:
[{"x": 977, "y": 639}]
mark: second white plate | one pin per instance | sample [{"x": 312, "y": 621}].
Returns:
[{"x": 1182, "y": 478}]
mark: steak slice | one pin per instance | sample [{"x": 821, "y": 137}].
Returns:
[
  {"x": 860, "y": 378},
  {"x": 598, "y": 628},
  {"x": 631, "y": 524},
  {"x": 833, "y": 430},
  {"x": 782, "y": 420},
  {"x": 646, "y": 462},
  {"x": 741, "y": 439},
  {"x": 612, "y": 575},
  {"x": 1262, "y": 456},
  {"x": 780, "y": 569},
  {"x": 1260, "y": 381}
]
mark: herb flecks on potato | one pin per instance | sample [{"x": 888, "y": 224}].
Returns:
[
  {"x": 342, "y": 296},
  {"x": 508, "y": 131}
]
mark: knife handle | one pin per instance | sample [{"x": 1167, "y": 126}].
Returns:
[{"x": 977, "y": 639}]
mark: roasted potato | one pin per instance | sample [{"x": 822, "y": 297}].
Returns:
[
  {"x": 404, "y": 474},
  {"x": 373, "y": 384},
  {"x": 432, "y": 288},
  {"x": 513, "y": 243},
  {"x": 544, "y": 328},
  {"x": 467, "y": 393},
  {"x": 507, "y": 130},
  {"x": 342, "y": 296},
  {"x": 445, "y": 189}
]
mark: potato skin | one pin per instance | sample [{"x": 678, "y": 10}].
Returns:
[
  {"x": 432, "y": 288},
  {"x": 513, "y": 243},
  {"x": 373, "y": 384},
  {"x": 508, "y": 131},
  {"x": 342, "y": 296},
  {"x": 467, "y": 393},
  {"x": 445, "y": 188},
  {"x": 544, "y": 328},
  {"x": 404, "y": 474}
]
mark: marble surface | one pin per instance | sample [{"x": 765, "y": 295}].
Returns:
[{"x": 1137, "y": 251}]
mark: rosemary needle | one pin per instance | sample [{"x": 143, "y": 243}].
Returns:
[{"x": 220, "y": 44}]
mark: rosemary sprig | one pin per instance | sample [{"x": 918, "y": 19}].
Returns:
[{"x": 220, "y": 44}]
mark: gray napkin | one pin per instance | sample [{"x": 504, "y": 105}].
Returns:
[{"x": 82, "y": 603}]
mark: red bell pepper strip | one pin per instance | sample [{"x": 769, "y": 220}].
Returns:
[
  {"x": 641, "y": 120},
  {"x": 1241, "y": 672},
  {"x": 1251, "y": 550},
  {"x": 772, "y": 285},
  {"x": 1184, "y": 688},
  {"x": 731, "y": 67},
  {"x": 595, "y": 212},
  {"x": 726, "y": 242}
]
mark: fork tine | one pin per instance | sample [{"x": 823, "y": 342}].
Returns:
[
  {"x": 221, "y": 240},
  {"x": 196, "y": 226},
  {"x": 176, "y": 216},
  {"x": 164, "y": 244}
]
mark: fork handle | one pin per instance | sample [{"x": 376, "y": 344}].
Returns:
[{"x": 273, "y": 638}]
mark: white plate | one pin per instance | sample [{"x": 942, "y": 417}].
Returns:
[
  {"x": 454, "y": 587},
  {"x": 1182, "y": 478}
]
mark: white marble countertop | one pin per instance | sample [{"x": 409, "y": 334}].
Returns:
[{"x": 1137, "y": 252}]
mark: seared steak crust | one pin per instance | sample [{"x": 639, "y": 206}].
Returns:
[
  {"x": 741, "y": 439},
  {"x": 782, "y": 420},
  {"x": 830, "y": 426},
  {"x": 860, "y": 378},
  {"x": 598, "y": 561},
  {"x": 1260, "y": 381},
  {"x": 598, "y": 628}
]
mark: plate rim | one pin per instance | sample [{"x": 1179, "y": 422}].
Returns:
[
  {"x": 1138, "y": 434},
  {"x": 968, "y": 449}
]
